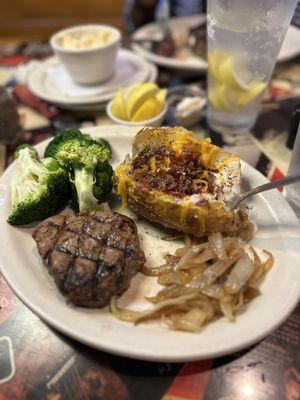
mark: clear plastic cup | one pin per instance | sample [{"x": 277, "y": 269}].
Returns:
[{"x": 244, "y": 39}]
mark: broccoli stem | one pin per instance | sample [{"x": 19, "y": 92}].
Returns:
[
  {"x": 29, "y": 165},
  {"x": 29, "y": 172},
  {"x": 84, "y": 181}
]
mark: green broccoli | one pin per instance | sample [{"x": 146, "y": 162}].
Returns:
[
  {"x": 36, "y": 191},
  {"x": 103, "y": 184},
  {"x": 104, "y": 143},
  {"x": 86, "y": 160},
  {"x": 33, "y": 152},
  {"x": 50, "y": 163}
]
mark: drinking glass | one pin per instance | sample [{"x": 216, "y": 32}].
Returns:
[
  {"x": 244, "y": 39},
  {"x": 292, "y": 192}
]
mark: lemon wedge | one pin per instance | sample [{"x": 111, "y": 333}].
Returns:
[
  {"x": 118, "y": 106},
  {"x": 214, "y": 98},
  {"x": 256, "y": 89},
  {"x": 215, "y": 59},
  {"x": 234, "y": 75},
  {"x": 223, "y": 98},
  {"x": 225, "y": 69},
  {"x": 161, "y": 97},
  {"x": 139, "y": 102},
  {"x": 149, "y": 109},
  {"x": 232, "y": 86},
  {"x": 139, "y": 95}
]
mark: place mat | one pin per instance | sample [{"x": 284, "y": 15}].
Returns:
[{"x": 39, "y": 363}]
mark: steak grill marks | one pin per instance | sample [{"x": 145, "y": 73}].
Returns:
[
  {"x": 178, "y": 174},
  {"x": 92, "y": 255}
]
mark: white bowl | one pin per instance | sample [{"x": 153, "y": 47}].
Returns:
[
  {"x": 155, "y": 121},
  {"x": 92, "y": 64}
]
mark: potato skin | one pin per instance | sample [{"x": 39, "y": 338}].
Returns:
[
  {"x": 172, "y": 212},
  {"x": 197, "y": 220}
]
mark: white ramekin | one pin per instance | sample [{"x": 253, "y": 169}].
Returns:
[
  {"x": 155, "y": 121},
  {"x": 90, "y": 65}
]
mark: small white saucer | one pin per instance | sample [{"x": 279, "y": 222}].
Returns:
[
  {"x": 42, "y": 85},
  {"x": 152, "y": 77}
]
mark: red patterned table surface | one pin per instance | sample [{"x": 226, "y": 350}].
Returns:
[{"x": 40, "y": 363}]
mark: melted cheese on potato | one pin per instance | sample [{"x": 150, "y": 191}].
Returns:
[{"x": 227, "y": 177}]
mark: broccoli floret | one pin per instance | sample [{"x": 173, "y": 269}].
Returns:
[
  {"x": 51, "y": 164},
  {"x": 37, "y": 192},
  {"x": 33, "y": 152},
  {"x": 105, "y": 144},
  {"x": 82, "y": 156},
  {"x": 61, "y": 136},
  {"x": 103, "y": 184}
]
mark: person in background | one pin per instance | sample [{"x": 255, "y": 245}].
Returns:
[
  {"x": 141, "y": 12},
  {"x": 296, "y": 17}
]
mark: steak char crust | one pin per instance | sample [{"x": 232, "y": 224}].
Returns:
[{"x": 91, "y": 256}]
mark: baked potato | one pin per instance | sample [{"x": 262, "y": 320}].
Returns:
[{"x": 181, "y": 182}]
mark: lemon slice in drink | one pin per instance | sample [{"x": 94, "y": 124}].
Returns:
[
  {"x": 214, "y": 98},
  {"x": 215, "y": 60},
  {"x": 225, "y": 69},
  {"x": 138, "y": 95},
  {"x": 256, "y": 89},
  {"x": 234, "y": 74},
  {"x": 233, "y": 84},
  {"x": 223, "y": 98}
]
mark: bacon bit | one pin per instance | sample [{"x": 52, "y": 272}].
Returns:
[{"x": 182, "y": 175}]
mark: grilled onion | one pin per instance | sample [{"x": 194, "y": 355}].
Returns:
[{"x": 202, "y": 281}]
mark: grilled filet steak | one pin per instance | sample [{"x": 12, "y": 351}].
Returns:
[{"x": 91, "y": 256}]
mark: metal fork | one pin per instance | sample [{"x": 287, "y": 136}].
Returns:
[{"x": 267, "y": 186}]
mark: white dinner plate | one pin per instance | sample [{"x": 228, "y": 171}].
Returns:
[
  {"x": 151, "y": 31},
  {"x": 278, "y": 231},
  {"x": 291, "y": 44},
  {"x": 290, "y": 47},
  {"x": 41, "y": 84}
]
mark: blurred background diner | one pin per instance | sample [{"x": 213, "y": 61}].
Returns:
[
  {"x": 176, "y": 60},
  {"x": 32, "y": 19}
]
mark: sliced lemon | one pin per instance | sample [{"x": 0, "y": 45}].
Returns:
[
  {"x": 223, "y": 98},
  {"x": 234, "y": 75},
  {"x": 228, "y": 70},
  {"x": 256, "y": 89},
  {"x": 161, "y": 96},
  {"x": 214, "y": 98},
  {"x": 118, "y": 107},
  {"x": 138, "y": 95},
  {"x": 215, "y": 59},
  {"x": 149, "y": 109}
]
